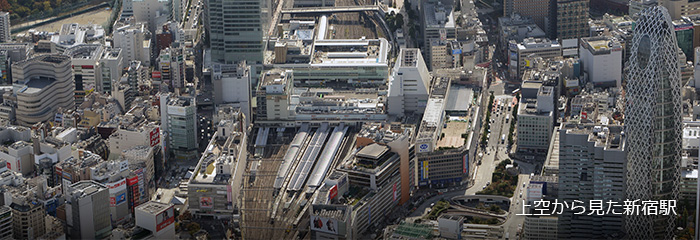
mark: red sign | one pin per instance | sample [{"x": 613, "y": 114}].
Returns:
[
  {"x": 87, "y": 67},
  {"x": 584, "y": 115},
  {"x": 333, "y": 192},
  {"x": 155, "y": 136},
  {"x": 164, "y": 219},
  {"x": 132, "y": 181},
  {"x": 112, "y": 201},
  {"x": 156, "y": 75},
  {"x": 396, "y": 196},
  {"x": 9, "y": 166}
]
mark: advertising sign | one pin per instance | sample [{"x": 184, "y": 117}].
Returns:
[
  {"x": 118, "y": 186},
  {"x": 132, "y": 181},
  {"x": 396, "y": 195},
  {"x": 112, "y": 201},
  {"x": 206, "y": 202},
  {"x": 425, "y": 170},
  {"x": 456, "y": 51},
  {"x": 121, "y": 198},
  {"x": 333, "y": 192},
  {"x": 165, "y": 218},
  {"x": 323, "y": 224},
  {"x": 423, "y": 147},
  {"x": 465, "y": 164},
  {"x": 155, "y": 136}
]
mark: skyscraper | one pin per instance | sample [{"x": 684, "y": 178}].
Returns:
[
  {"x": 235, "y": 31},
  {"x": 653, "y": 121}
]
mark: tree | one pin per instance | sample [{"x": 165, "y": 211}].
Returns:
[{"x": 399, "y": 20}]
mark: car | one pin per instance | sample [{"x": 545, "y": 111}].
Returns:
[{"x": 484, "y": 187}]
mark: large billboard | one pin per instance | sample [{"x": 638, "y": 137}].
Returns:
[
  {"x": 322, "y": 224},
  {"x": 155, "y": 136},
  {"x": 165, "y": 218},
  {"x": 206, "y": 202},
  {"x": 465, "y": 164},
  {"x": 117, "y": 186},
  {"x": 118, "y": 199}
]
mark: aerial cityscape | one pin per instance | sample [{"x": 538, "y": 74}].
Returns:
[{"x": 349, "y": 119}]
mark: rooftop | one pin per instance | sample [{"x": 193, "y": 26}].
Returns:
[
  {"x": 86, "y": 188},
  {"x": 154, "y": 207},
  {"x": 36, "y": 85},
  {"x": 601, "y": 45},
  {"x": 373, "y": 151}
]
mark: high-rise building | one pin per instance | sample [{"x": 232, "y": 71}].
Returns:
[
  {"x": 43, "y": 85},
  {"x": 5, "y": 222},
  {"x": 637, "y": 6},
  {"x": 27, "y": 217},
  {"x": 591, "y": 167},
  {"x": 179, "y": 119},
  {"x": 5, "y": 35},
  {"x": 572, "y": 19},
  {"x": 653, "y": 121},
  {"x": 538, "y": 10},
  {"x": 409, "y": 84},
  {"x": 87, "y": 211},
  {"x": 235, "y": 30},
  {"x": 602, "y": 60}
]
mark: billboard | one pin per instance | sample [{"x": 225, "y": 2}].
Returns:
[
  {"x": 423, "y": 147},
  {"x": 132, "y": 181},
  {"x": 424, "y": 174},
  {"x": 396, "y": 194},
  {"x": 333, "y": 192},
  {"x": 117, "y": 186},
  {"x": 121, "y": 198},
  {"x": 322, "y": 224},
  {"x": 465, "y": 164},
  {"x": 206, "y": 202},
  {"x": 456, "y": 51},
  {"x": 155, "y": 136},
  {"x": 165, "y": 218}
]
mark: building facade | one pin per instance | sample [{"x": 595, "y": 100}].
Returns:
[
  {"x": 653, "y": 84},
  {"x": 43, "y": 85}
]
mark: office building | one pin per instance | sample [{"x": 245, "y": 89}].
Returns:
[
  {"x": 536, "y": 119},
  {"x": 243, "y": 21},
  {"x": 134, "y": 40},
  {"x": 678, "y": 9},
  {"x": 42, "y": 85},
  {"x": 602, "y": 60},
  {"x": 5, "y": 34},
  {"x": 171, "y": 64},
  {"x": 518, "y": 52},
  {"x": 653, "y": 82},
  {"x": 572, "y": 19},
  {"x": 180, "y": 121},
  {"x": 85, "y": 60},
  {"x": 232, "y": 85},
  {"x": 684, "y": 36},
  {"x": 157, "y": 217},
  {"x": 592, "y": 166},
  {"x": 111, "y": 68},
  {"x": 438, "y": 24},
  {"x": 87, "y": 211},
  {"x": 27, "y": 217},
  {"x": 5, "y": 222},
  {"x": 538, "y": 10},
  {"x": 152, "y": 12},
  {"x": 636, "y": 6},
  {"x": 409, "y": 84}
]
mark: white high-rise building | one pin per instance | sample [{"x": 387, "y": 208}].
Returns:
[
  {"x": 409, "y": 84},
  {"x": 653, "y": 121},
  {"x": 135, "y": 42},
  {"x": 87, "y": 210},
  {"x": 5, "y": 35},
  {"x": 602, "y": 60}
]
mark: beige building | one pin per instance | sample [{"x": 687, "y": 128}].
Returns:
[{"x": 42, "y": 85}]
